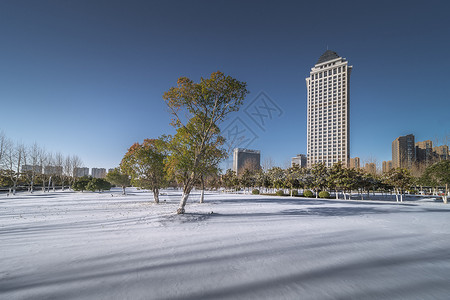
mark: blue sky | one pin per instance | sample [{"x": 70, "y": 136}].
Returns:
[{"x": 87, "y": 77}]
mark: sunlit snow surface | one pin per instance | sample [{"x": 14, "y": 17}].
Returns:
[{"x": 66, "y": 245}]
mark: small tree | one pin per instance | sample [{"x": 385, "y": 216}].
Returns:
[
  {"x": 319, "y": 173},
  {"x": 116, "y": 177},
  {"x": 229, "y": 179},
  {"x": 203, "y": 106},
  {"x": 439, "y": 173},
  {"x": 81, "y": 184},
  {"x": 293, "y": 174},
  {"x": 400, "y": 179},
  {"x": 98, "y": 184},
  {"x": 145, "y": 164}
]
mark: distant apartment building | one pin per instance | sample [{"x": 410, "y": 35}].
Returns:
[
  {"x": 328, "y": 92},
  {"x": 371, "y": 168},
  {"x": 31, "y": 168},
  {"x": 354, "y": 163},
  {"x": 386, "y": 166},
  {"x": 424, "y": 151},
  {"x": 246, "y": 159},
  {"x": 80, "y": 172},
  {"x": 53, "y": 170},
  {"x": 403, "y": 151},
  {"x": 300, "y": 160},
  {"x": 441, "y": 153},
  {"x": 98, "y": 172}
]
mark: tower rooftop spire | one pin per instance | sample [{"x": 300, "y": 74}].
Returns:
[{"x": 326, "y": 56}]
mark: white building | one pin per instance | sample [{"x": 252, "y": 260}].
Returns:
[
  {"x": 31, "y": 168},
  {"x": 53, "y": 170},
  {"x": 80, "y": 172},
  {"x": 328, "y": 110},
  {"x": 98, "y": 172},
  {"x": 299, "y": 160}
]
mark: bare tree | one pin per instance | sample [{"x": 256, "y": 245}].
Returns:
[
  {"x": 71, "y": 165},
  {"x": 43, "y": 162},
  {"x": 59, "y": 162},
  {"x": 33, "y": 161},
  {"x": 14, "y": 156},
  {"x": 3, "y": 145},
  {"x": 268, "y": 163}
]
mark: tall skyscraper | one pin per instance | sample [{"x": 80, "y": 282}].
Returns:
[
  {"x": 403, "y": 151},
  {"x": 328, "y": 110},
  {"x": 246, "y": 159}
]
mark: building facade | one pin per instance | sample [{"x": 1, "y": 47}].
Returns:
[
  {"x": 246, "y": 159},
  {"x": 80, "y": 172},
  {"x": 328, "y": 89},
  {"x": 386, "y": 166},
  {"x": 354, "y": 163},
  {"x": 31, "y": 168},
  {"x": 441, "y": 153},
  {"x": 300, "y": 160},
  {"x": 98, "y": 172},
  {"x": 424, "y": 151},
  {"x": 403, "y": 151},
  {"x": 371, "y": 168}
]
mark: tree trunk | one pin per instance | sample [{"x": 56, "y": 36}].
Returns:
[
  {"x": 337, "y": 195},
  {"x": 49, "y": 182},
  {"x": 186, "y": 191},
  {"x": 156, "y": 195},
  {"x": 123, "y": 190},
  {"x": 202, "y": 195}
]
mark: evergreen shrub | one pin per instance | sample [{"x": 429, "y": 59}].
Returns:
[
  {"x": 280, "y": 193},
  {"x": 255, "y": 192},
  {"x": 324, "y": 194},
  {"x": 308, "y": 194}
]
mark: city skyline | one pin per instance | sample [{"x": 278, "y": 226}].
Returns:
[{"x": 87, "y": 78}]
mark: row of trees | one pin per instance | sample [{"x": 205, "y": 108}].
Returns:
[
  {"x": 33, "y": 166},
  {"x": 340, "y": 179}
]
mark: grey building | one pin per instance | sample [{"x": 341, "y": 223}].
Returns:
[
  {"x": 80, "y": 172},
  {"x": 98, "y": 172},
  {"x": 246, "y": 159},
  {"x": 300, "y": 160},
  {"x": 328, "y": 88}
]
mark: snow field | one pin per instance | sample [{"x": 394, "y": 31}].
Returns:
[{"x": 66, "y": 245}]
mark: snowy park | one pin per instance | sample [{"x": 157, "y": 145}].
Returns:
[{"x": 67, "y": 245}]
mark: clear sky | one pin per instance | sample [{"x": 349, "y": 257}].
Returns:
[{"x": 87, "y": 77}]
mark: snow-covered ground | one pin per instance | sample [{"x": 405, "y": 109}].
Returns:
[{"x": 65, "y": 245}]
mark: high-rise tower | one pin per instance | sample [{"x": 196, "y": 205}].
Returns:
[{"x": 328, "y": 110}]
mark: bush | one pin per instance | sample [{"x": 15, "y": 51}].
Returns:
[
  {"x": 280, "y": 193},
  {"x": 308, "y": 194},
  {"x": 255, "y": 192},
  {"x": 294, "y": 192},
  {"x": 324, "y": 194}
]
